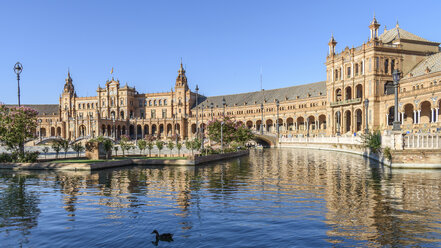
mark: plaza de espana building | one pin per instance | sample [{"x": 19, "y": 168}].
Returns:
[{"x": 335, "y": 106}]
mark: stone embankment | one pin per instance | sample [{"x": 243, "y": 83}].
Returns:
[
  {"x": 190, "y": 161},
  {"x": 404, "y": 153}
]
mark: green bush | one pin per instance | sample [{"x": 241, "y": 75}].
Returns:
[
  {"x": 29, "y": 157},
  {"x": 387, "y": 153},
  {"x": 372, "y": 141}
]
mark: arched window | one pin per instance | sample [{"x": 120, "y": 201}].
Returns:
[
  {"x": 160, "y": 102},
  {"x": 165, "y": 102},
  {"x": 356, "y": 69},
  {"x": 338, "y": 95},
  {"x": 386, "y": 65}
]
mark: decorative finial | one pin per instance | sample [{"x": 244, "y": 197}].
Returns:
[
  {"x": 398, "y": 25},
  {"x": 385, "y": 28}
]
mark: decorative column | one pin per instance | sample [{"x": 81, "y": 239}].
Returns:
[
  {"x": 432, "y": 115},
  {"x": 414, "y": 117},
  {"x": 419, "y": 116},
  {"x": 387, "y": 119},
  {"x": 436, "y": 116},
  {"x": 402, "y": 118}
]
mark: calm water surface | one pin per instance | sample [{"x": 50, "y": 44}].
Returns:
[{"x": 273, "y": 198}]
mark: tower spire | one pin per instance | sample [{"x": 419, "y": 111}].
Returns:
[{"x": 374, "y": 28}]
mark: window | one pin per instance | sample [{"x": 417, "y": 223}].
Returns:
[
  {"x": 348, "y": 70},
  {"x": 392, "y": 65},
  {"x": 164, "y": 113},
  {"x": 141, "y": 113},
  {"x": 386, "y": 66},
  {"x": 356, "y": 69},
  {"x": 165, "y": 102},
  {"x": 389, "y": 88},
  {"x": 153, "y": 114},
  {"x": 160, "y": 102}
]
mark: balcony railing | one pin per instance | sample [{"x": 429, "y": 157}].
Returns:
[{"x": 346, "y": 102}]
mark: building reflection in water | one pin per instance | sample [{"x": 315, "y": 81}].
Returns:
[{"x": 354, "y": 198}]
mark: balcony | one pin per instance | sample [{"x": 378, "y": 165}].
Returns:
[{"x": 346, "y": 102}]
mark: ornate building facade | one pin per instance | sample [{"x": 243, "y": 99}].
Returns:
[{"x": 335, "y": 106}]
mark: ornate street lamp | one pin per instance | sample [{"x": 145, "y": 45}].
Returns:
[
  {"x": 197, "y": 96},
  {"x": 224, "y": 103},
  {"x": 211, "y": 107},
  {"x": 277, "y": 105},
  {"x": 366, "y": 105},
  {"x": 396, "y": 76},
  {"x": 39, "y": 131},
  {"x": 338, "y": 123},
  {"x": 222, "y": 137},
  {"x": 261, "y": 122},
  {"x": 202, "y": 129},
  {"x": 18, "y": 68}
]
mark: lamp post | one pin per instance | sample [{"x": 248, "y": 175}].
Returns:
[
  {"x": 222, "y": 137},
  {"x": 197, "y": 96},
  {"x": 211, "y": 107},
  {"x": 18, "y": 68},
  {"x": 261, "y": 122},
  {"x": 113, "y": 128},
  {"x": 366, "y": 105},
  {"x": 224, "y": 103},
  {"x": 338, "y": 123},
  {"x": 396, "y": 76},
  {"x": 39, "y": 129},
  {"x": 277, "y": 105},
  {"x": 202, "y": 128}
]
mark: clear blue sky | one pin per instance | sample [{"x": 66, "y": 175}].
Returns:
[{"x": 223, "y": 44}]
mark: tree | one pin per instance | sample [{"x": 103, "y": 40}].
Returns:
[
  {"x": 189, "y": 146},
  {"x": 150, "y": 147},
  {"x": 179, "y": 147},
  {"x": 196, "y": 144},
  {"x": 115, "y": 148},
  {"x": 107, "y": 147},
  {"x": 16, "y": 126},
  {"x": 142, "y": 144},
  {"x": 170, "y": 146},
  {"x": 160, "y": 145},
  {"x": 45, "y": 150},
  {"x": 124, "y": 144},
  {"x": 56, "y": 146},
  {"x": 77, "y": 147},
  {"x": 65, "y": 145},
  {"x": 231, "y": 131}
]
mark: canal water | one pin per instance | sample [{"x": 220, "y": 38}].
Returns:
[{"x": 273, "y": 198}]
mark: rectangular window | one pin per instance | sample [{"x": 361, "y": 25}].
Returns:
[
  {"x": 164, "y": 113},
  {"x": 370, "y": 65},
  {"x": 348, "y": 70},
  {"x": 153, "y": 114}
]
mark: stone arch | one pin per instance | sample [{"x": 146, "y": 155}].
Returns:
[
  {"x": 348, "y": 121},
  {"x": 178, "y": 128},
  {"x": 390, "y": 117},
  {"x": 52, "y": 131},
  {"x": 118, "y": 132},
  {"x": 82, "y": 130},
  {"x": 408, "y": 114},
  {"x": 280, "y": 125},
  {"x": 426, "y": 112},
  {"x": 193, "y": 128},
  {"x": 338, "y": 117},
  {"x": 154, "y": 129},
  {"x": 123, "y": 130},
  {"x": 269, "y": 125},
  {"x": 249, "y": 124},
  {"x": 132, "y": 132},
  {"x": 161, "y": 129},
  {"x": 300, "y": 123},
  {"x": 146, "y": 130},
  {"x": 358, "y": 120},
  {"x": 138, "y": 131},
  {"x": 348, "y": 93},
  {"x": 322, "y": 122},
  {"x": 103, "y": 130},
  {"x": 290, "y": 123},
  {"x": 43, "y": 132},
  {"x": 258, "y": 125},
  {"x": 359, "y": 91},
  {"x": 169, "y": 129},
  {"x": 109, "y": 130},
  {"x": 58, "y": 131},
  {"x": 122, "y": 115},
  {"x": 338, "y": 95}
]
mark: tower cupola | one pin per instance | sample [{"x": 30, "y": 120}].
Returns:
[
  {"x": 181, "y": 80},
  {"x": 373, "y": 27},
  {"x": 332, "y": 43}
]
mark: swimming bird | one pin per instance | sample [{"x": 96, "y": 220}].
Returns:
[{"x": 163, "y": 237}]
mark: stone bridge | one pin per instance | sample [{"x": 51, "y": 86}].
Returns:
[{"x": 266, "y": 139}]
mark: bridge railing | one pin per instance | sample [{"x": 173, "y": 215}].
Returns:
[
  {"x": 422, "y": 141},
  {"x": 353, "y": 140}
]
